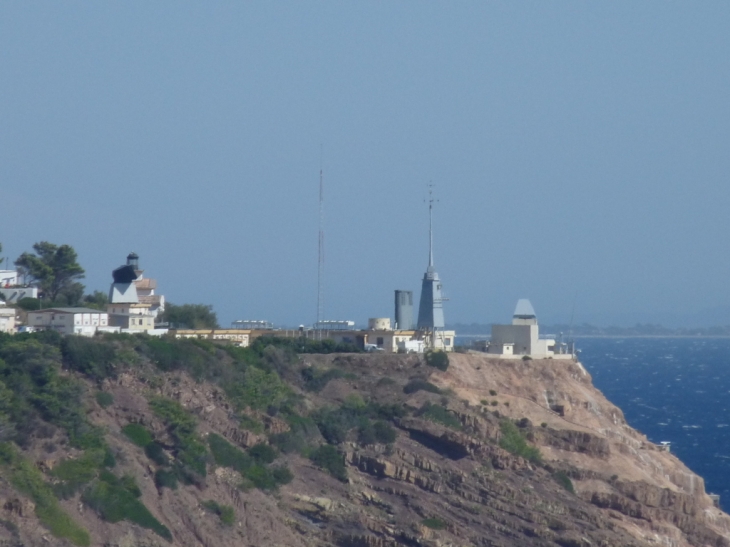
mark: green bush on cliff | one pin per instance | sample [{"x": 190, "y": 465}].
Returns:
[
  {"x": 28, "y": 479},
  {"x": 93, "y": 358},
  {"x": 437, "y": 359},
  {"x": 115, "y": 500},
  {"x": 562, "y": 478},
  {"x": 513, "y": 441},
  {"x": 138, "y": 434},
  {"x": 439, "y": 414},
  {"x": 189, "y": 450},
  {"x": 420, "y": 385},
  {"x": 331, "y": 460},
  {"x": 225, "y": 512}
]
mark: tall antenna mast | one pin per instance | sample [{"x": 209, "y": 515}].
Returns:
[
  {"x": 320, "y": 263},
  {"x": 430, "y": 225}
]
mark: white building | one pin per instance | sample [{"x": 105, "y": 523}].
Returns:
[
  {"x": 82, "y": 321},
  {"x": 7, "y": 319},
  {"x": 10, "y": 289},
  {"x": 522, "y": 337},
  {"x": 133, "y": 304}
]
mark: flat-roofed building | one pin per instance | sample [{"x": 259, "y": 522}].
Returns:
[
  {"x": 239, "y": 337},
  {"x": 82, "y": 321}
]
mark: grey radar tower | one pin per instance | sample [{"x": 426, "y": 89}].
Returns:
[{"x": 430, "y": 309}]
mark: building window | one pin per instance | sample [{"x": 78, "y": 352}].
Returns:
[
  {"x": 380, "y": 341},
  {"x": 447, "y": 342}
]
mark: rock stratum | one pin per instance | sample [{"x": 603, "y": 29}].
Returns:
[{"x": 488, "y": 452}]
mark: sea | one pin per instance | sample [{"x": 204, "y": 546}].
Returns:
[{"x": 671, "y": 389}]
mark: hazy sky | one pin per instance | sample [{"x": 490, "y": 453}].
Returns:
[{"x": 579, "y": 151}]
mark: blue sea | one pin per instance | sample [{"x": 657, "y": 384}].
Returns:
[{"x": 671, "y": 389}]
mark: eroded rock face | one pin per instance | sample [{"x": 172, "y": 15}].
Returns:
[{"x": 436, "y": 485}]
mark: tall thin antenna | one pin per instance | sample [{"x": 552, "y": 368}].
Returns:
[
  {"x": 320, "y": 264},
  {"x": 430, "y": 224}
]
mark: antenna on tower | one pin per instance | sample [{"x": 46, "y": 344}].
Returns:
[{"x": 320, "y": 263}]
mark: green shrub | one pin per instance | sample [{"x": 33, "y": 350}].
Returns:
[
  {"x": 262, "y": 453},
  {"x": 493, "y": 392},
  {"x": 303, "y": 345},
  {"x": 484, "y": 402},
  {"x": 437, "y": 359},
  {"x": 384, "y": 432},
  {"x": 282, "y": 474},
  {"x": 562, "y": 478},
  {"x": 261, "y": 477},
  {"x": 434, "y": 523},
  {"x": 225, "y": 512},
  {"x": 257, "y": 389},
  {"x": 166, "y": 479},
  {"x": 227, "y": 455},
  {"x": 250, "y": 424},
  {"x": 420, "y": 385},
  {"x": 514, "y": 442},
  {"x": 181, "y": 425},
  {"x": 138, "y": 434},
  {"x": 288, "y": 442},
  {"x": 104, "y": 399},
  {"x": 34, "y": 389},
  {"x": 73, "y": 474},
  {"x": 27, "y": 479},
  {"x": 366, "y": 434},
  {"x": 494, "y": 403},
  {"x": 112, "y": 500},
  {"x": 329, "y": 458},
  {"x": 156, "y": 453},
  {"x": 88, "y": 356},
  {"x": 439, "y": 414},
  {"x": 315, "y": 380}
]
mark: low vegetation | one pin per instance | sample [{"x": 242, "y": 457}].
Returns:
[
  {"x": 331, "y": 460},
  {"x": 440, "y": 415},
  {"x": 437, "y": 359},
  {"x": 225, "y": 513},
  {"x": 434, "y": 523},
  {"x": 116, "y": 499},
  {"x": 562, "y": 478},
  {"x": 420, "y": 385},
  {"x": 29, "y": 480},
  {"x": 252, "y": 464},
  {"x": 513, "y": 441}
]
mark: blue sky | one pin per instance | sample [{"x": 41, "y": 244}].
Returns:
[{"x": 579, "y": 151}]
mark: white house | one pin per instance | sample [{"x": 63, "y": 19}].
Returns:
[
  {"x": 83, "y": 321},
  {"x": 522, "y": 337}
]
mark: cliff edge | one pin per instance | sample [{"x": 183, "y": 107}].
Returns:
[{"x": 193, "y": 444}]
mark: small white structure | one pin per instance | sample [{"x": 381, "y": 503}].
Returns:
[
  {"x": 7, "y": 319},
  {"x": 411, "y": 346},
  {"x": 82, "y": 321},
  {"x": 379, "y": 323},
  {"x": 522, "y": 337},
  {"x": 8, "y": 278}
]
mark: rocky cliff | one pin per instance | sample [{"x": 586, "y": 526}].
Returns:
[{"x": 487, "y": 453}]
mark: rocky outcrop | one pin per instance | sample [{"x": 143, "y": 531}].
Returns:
[{"x": 597, "y": 482}]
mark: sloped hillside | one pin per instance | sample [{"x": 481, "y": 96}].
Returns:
[{"x": 136, "y": 441}]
